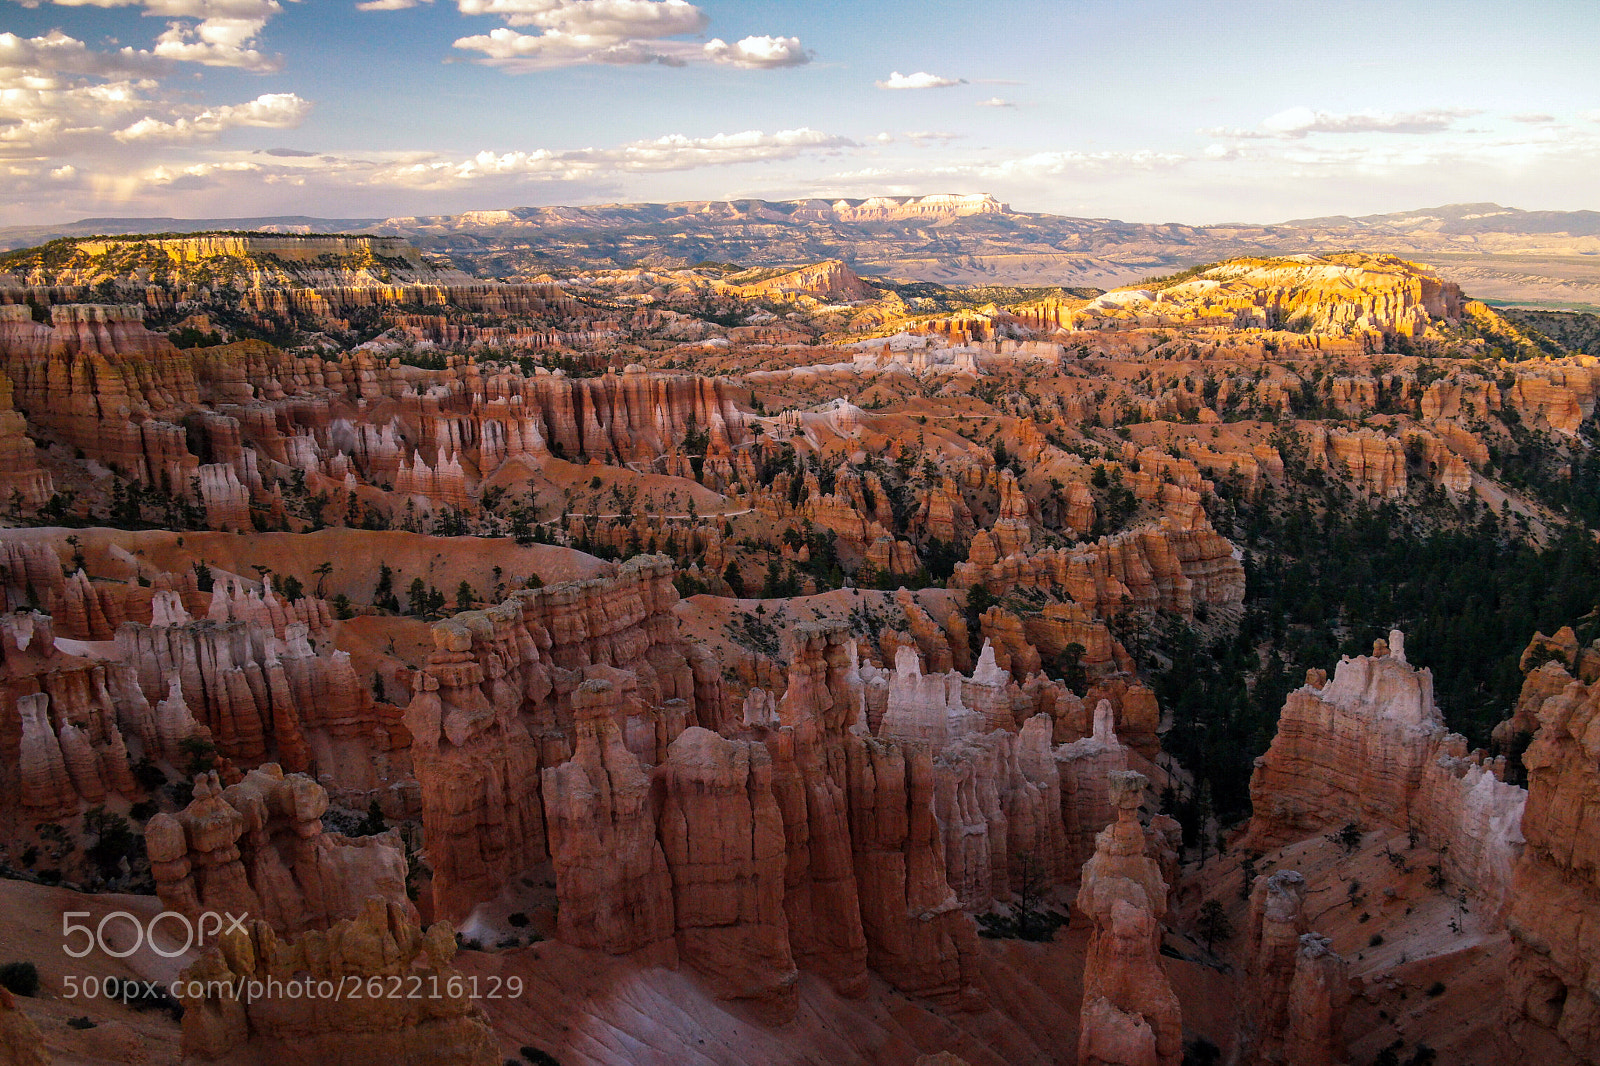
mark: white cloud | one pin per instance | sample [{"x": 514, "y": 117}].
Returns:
[
  {"x": 920, "y": 80},
  {"x": 196, "y": 175},
  {"x": 613, "y": 20},
  {"x": 486, "y": 170},
  {"x": 523, "y": 52},
  {"x": 58, "y": 53},
  {"x": 223, "y": 37},
  {"x": 434, "y": 173},
  {"x": 390, "y": 5},
  {"x": 217, "y": 42},
  {"x": 941, "y": 136},
  {"x": 995, "y": 101},
  {"x": 622, "y": 32},
  {"x": 1056, "y": 164},
  {"x": 1277, "y": 178},
  {"x": 198, "y": 9},
  {"x": 758, "y": 53},
  {"x": 1040, "y": 170},
  {"x": 270, "y": 110},
  {"x": 677, "y": 152},
  {"x": 54, "y": 91},
  {"x": 1234, "y": 133},
  {"x": 508, "y": 170},
  {"x": 1297, "y": 122},
  {"x": 1533, "y": 117}
]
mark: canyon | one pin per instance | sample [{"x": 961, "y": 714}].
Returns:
[{"x": 779, "y": 664}]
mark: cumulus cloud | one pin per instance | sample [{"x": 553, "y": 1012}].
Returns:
[
  {"x": 523, "y": 52},
  {"x": 758, "y": 53},
  {"x": 920, "y": 80},
  {"x": 623, "y": 32},
  {"x": 269, "y": 110},
  {"x": 224, "y": 36},
  {"x": 58, "y": 53},
  {"x": 103, "y": 123},
  {"x": 995, "y": 101},
  {"x": 55, "y": 91},
  {"x": 202, "y": 175},
  {"x": 610, "y": 19},
  {"x": 197, "y": 9},
  {"x": 57, "y": 95},
  {"x": 217, "y": 42}
]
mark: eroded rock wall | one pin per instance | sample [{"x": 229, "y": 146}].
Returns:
[
  {"x": 1554, "y": 910},
  {"x": 382, "y": 944},
  {"x": 1370, "y": 747},
  {"x": 258, "y": 848}
]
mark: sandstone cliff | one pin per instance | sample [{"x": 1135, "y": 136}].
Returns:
[
  {"x": 1370, "y": 747},
  {"x": 498, "y": 700},
  {"x": 258, "y": 848},
  {"x": 1554, "y": 909},
  {"x": 247, "y": 999}
]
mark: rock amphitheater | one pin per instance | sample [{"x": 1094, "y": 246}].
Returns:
[{"x": 788, "y": 695}]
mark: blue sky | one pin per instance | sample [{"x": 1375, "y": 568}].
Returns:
[{"x": 1147, "y": 110}]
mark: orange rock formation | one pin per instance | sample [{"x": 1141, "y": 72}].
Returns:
[{"x": 1130, "y": 1014}]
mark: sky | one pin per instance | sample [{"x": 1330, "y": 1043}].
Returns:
[{"x": 1195, "y": 111}]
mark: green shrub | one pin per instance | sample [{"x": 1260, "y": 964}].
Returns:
[
  {"x": 148, "y": 775},
  {"x": 539, "y": 1058},
  {"x": 20, "y": 978}
]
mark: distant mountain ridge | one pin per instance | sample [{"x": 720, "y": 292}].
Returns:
[
  {"x": 1466, "y": 219},
  {"x": 1507, "y": 255},
  {"x": 265, "y": 259}
]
